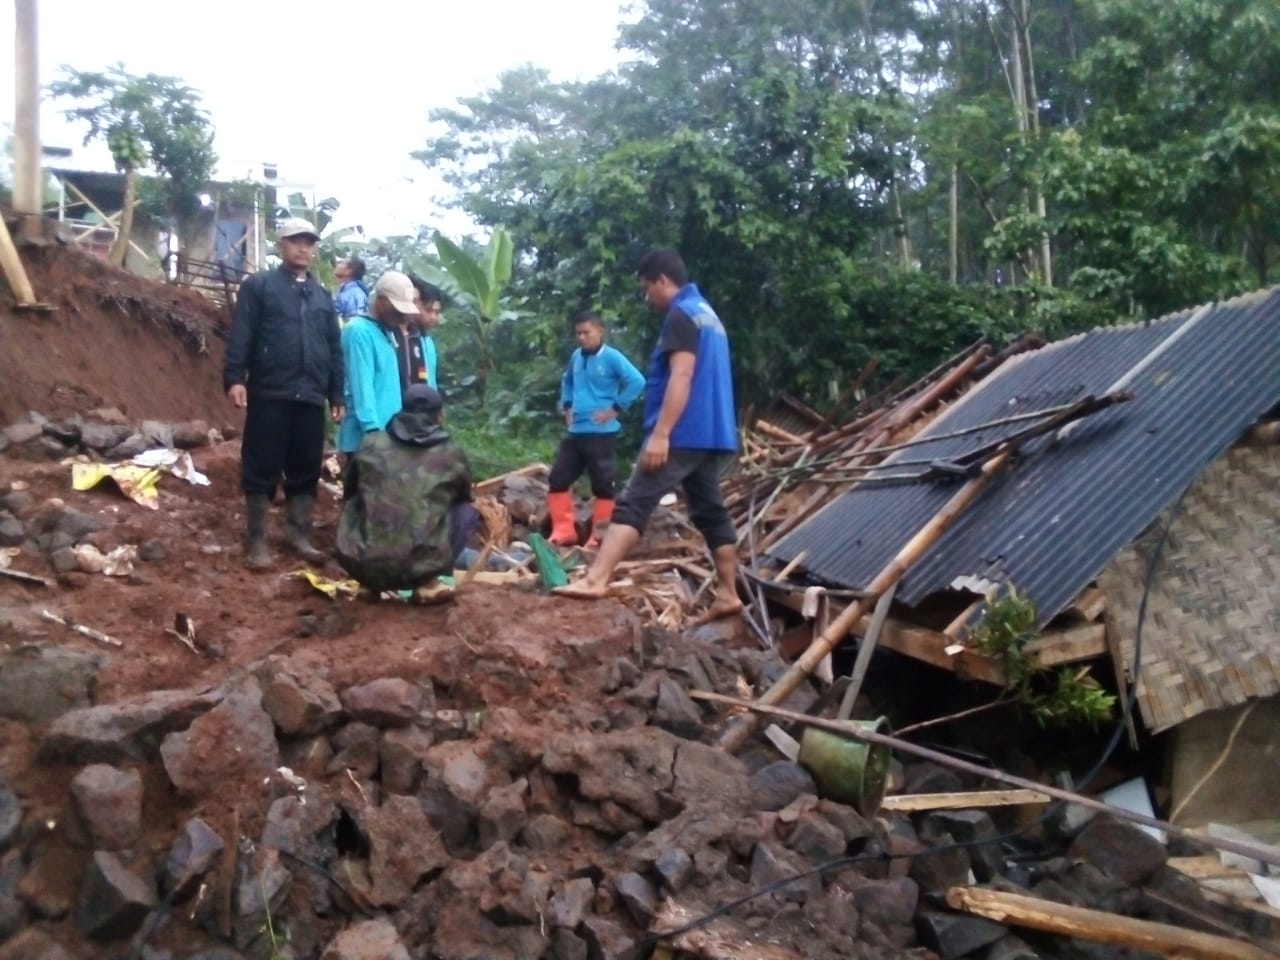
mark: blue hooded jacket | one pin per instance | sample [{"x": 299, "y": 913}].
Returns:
[{"x": 373, "y": 381}]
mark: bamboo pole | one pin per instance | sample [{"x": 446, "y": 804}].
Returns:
[
  {"x": 736, "y": 735},
  {"x": 1099, "y": 926},
  {"x": 1266, "y": 854}
]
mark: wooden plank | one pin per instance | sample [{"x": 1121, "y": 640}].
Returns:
[
  {"x": 1069, "y": 645},
  {"x": 1099, "y": 926},
  {"x": 1091, "y": 604},
  {"x": 495, "y": 483},
  {"x": 930, "y": 646},
  {"x": 1081, "y": 642},
  {"x": 912, "y": 802},
  {"x": 1201, "y": 868},
  {"x": 918, "y": 643}
]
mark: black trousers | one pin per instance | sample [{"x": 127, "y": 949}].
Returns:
[
  {"x": 282, "y": 439},
  {"x": 592, "y": 452},
  {"x": 697, "y": 472}
]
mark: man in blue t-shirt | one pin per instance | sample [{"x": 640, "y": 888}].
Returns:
[
  {"x": 352, "y": 298},
  {"x": 690, "y": 429},
  {"x": 599, "y": 383}
]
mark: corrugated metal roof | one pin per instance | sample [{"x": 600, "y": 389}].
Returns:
[{"x": 1050, "y": 524}]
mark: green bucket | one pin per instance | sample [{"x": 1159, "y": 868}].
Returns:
[{"x": 846, "y": 769}]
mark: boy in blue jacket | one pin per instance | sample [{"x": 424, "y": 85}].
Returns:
[{"x": 598, "y": 384}]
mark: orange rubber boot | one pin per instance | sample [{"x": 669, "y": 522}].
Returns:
[
  {"x": 560, "y": 509},
  {"x": 602, "y": 514}
]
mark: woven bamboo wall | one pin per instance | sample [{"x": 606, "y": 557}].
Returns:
[{"x": 1211, "y": 638}]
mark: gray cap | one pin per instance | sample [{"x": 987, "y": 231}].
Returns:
[{"x": 297, "y": 227}]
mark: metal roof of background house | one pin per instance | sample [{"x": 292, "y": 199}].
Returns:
[{"x": 1050, "y": 524}]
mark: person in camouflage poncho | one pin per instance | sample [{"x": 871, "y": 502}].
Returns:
[{"x": 402, "y": 493}]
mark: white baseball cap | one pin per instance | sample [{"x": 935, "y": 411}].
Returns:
[
  {"x": 297, "y": 227},
  {"x": 397, "y": 288}
]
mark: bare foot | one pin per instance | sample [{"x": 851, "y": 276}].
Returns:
[
  {"x": 434, "y": 594},
  {"x": 720, "y": 610},
  {"x": 583, "y": 591}
]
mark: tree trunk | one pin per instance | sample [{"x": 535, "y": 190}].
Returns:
[
  {"x": 953, "y": 230},
  {"x": 953, "y": 239},
  {"x": 121, "y": 247},
  {"x": 1046, "y": 250},
  {"x": 904, "y": 241}
]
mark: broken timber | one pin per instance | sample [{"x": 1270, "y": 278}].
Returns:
[
  {"x": 967, "y": 800},
  {"x": 1100, "y": 927},
  {"x": 1263, "y": 853},
  {"x": 736, "y": 734},
  {"x": 1057, "y": 646}
]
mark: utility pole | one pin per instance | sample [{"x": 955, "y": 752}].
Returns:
[{"x": 27, "y": 193}]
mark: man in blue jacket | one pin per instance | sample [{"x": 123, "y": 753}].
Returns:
[
  {"x": 283, "y": 362},
  {"x": 598, "y": 384},
  {"x": 690, "y": 427},
  {"x": 375, "y": 372}
]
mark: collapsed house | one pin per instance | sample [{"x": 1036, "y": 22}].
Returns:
[{"x": 1183, "y": 464}]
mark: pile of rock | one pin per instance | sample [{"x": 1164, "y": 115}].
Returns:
[
  {"x": 103, "y": 433},
  {"x": 279, "y": 816}
]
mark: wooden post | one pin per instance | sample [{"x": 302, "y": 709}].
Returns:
[
  {"x": 14, "y": 271},
  {"x": 865, "y": 650},
  {"x": 1100, "y": 927},
  {"x": 27, "y": 199},
  {"x": 736, "y": 735}
]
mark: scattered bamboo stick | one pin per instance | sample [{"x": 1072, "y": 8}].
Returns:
[
  {"x": 735, "y": 737},
  {"x": 23, "y": 577},
  {"x": 81, "y": 629},
  {"x": 495, "y": 483},
  {"x": 1100, "y": 927}
]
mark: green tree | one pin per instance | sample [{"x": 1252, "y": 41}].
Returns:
[{"x": 146, "y": 121}]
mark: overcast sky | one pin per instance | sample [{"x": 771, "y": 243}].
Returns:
[{"x": 336, "y": 94}]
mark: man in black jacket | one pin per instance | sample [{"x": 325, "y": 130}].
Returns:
[{"x": 284, "y": 361}]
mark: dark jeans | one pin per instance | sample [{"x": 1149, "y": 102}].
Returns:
[
  {"x": 464, "y": 518},
  {"x": 282, "y": 438},
  {"x": 697, "y": 472},
  {"x": 592, "y": 452}
]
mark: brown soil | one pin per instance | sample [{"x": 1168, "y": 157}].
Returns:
[{"x": 112, "y": 339}]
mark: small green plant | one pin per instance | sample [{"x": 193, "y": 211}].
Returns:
[
  {"x": 1008, "y": 625},
  {"x": 279, "y": 942}
]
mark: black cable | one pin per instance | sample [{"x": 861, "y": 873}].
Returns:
[{"x": 1118, "y": 732}]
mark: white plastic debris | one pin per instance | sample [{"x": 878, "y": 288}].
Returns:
[
  {"x": 177, "y": 462},
  {"x": 119, "y": 562}
]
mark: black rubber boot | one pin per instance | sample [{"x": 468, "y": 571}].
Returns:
[
  {"x": 257, "y": 555},
  {"x": 298, "y": 528}
]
